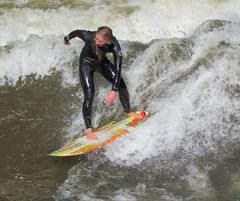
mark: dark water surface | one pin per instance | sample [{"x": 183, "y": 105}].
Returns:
[{"x": 33, "y": 117}]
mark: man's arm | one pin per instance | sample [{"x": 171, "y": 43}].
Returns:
[
  {"x": 82, "y": 34},
  {"x": 117, "y": 55}
]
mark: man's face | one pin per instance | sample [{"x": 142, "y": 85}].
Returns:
[{"x": 100, "y": 40}]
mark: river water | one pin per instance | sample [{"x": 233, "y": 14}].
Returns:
[{"x": 180, "y": 63}]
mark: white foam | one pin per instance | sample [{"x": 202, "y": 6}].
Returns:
[
  {"x": 39, "y": 56},
  {"x": 146, "y": 20},
  {"x": 123, "y": 195},
  {"x": 193, "y": 114}
]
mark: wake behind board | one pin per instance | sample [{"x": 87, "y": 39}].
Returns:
[{"x": 105, "y": 134}]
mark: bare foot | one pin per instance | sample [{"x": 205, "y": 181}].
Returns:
[
  {"x": 135, "y": 115},
  {"x": 90, "y": 134}
]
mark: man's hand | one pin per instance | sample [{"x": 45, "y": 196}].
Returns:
[
  {"x": 66, "y": 40},
  {"x": 110, "y": 98}
]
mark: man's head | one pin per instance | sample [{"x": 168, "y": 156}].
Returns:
[{"x": 104, "y": 36}]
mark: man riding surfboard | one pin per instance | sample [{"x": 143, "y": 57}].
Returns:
[{"x": 93, "y": 58}]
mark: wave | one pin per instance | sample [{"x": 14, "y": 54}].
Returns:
[
  {"x": 190, "y": 86},
  {"x": 131, "y": 20}
]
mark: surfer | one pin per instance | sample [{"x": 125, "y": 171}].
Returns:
[{"x": 93, "y": 58}]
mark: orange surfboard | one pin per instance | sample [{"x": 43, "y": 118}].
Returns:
[{"x": 105, "y": 134}]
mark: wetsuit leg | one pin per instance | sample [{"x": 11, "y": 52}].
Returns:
[
  {"x": 86, "y": 78},
  {"x": 108, "y": 73}
]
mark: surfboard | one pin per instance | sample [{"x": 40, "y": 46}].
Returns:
[{"x": 105, "y": 134}]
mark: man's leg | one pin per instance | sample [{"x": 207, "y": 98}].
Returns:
[{"x": 86, "y": 78}]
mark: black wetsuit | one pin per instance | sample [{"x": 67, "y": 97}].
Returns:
[{"x": 90, "y": 62}]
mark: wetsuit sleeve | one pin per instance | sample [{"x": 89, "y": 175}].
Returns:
[
  {"x": 82, "y": 34},
  {"x": 117, "y": 55}
]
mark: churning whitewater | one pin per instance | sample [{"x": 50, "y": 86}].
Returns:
[{"x": 180, "y": 63}]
